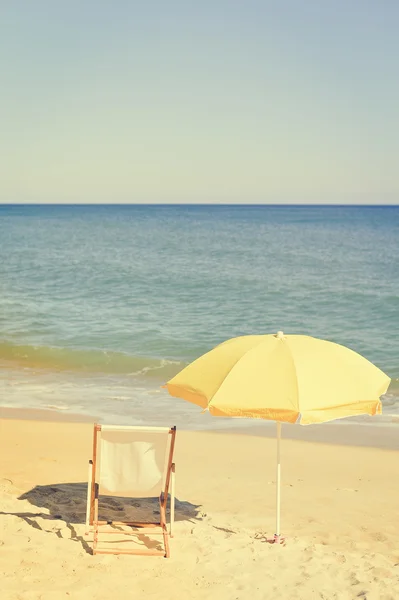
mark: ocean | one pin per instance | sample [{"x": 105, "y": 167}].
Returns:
[{"x": 101, "y": 304}]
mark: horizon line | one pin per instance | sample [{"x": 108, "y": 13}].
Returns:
[{"x": 188, "y": 204}]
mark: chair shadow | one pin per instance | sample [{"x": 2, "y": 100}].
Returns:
[{"x": 67, "y": 501}]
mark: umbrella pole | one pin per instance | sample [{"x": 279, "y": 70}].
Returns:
[{"x": 277, "y": 536}]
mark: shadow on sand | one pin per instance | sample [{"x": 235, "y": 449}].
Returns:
[{"x": 67, "y": 502}]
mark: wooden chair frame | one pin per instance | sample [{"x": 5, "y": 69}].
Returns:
[{"x": 93, "y": 499}]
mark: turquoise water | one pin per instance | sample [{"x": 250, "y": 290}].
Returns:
[{"x": 100, "y": 305}]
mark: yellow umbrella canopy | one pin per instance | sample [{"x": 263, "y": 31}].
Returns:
[{"x": 282, "y": 378}]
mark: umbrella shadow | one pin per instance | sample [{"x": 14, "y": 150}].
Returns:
[{"x": 67, "y": 502}]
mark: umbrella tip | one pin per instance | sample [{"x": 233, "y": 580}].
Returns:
[{"x": 280, "y": 335}]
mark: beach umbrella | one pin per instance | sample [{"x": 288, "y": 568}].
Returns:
[{"x": 284, "y": 378}]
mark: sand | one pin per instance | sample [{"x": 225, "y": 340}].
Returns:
[{"x": 339, "y": 513}]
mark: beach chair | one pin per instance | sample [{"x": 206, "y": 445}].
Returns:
[{"x": 134, "y": 462}]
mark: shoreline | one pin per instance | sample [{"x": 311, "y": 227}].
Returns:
[
  {"x": 376, "y": 435},
  {"x": 43, "y": 414}
]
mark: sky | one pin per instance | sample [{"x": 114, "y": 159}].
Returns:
[{"x": 283, "y": 101}]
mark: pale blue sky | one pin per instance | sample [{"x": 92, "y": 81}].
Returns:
[{"x": 211, "y": 101}]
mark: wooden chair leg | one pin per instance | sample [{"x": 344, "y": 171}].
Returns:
[
  {"x": 95, "y": 520},
  {"x": 165, "y": 529},
  {"x": 88, "y": 505},
  {"x": 172, "y": 499}
]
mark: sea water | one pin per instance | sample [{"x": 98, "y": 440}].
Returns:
[{"x": 100, "y": 305}]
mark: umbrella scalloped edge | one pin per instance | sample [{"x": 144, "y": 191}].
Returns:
[{"x": 370, "y": 407}]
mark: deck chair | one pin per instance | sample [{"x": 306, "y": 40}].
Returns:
[{"x": 135, "y": 462}]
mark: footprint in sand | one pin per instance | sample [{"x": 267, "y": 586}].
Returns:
[
  {"x": 380, "y": 537},
  {"x": 340, "y": 558},
  {"x": 116, "y": 508},
  {"x": 112, "y": 504},
  {"x": 6, "y": 485}
]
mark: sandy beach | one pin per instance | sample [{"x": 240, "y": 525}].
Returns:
[{"x": 339, "y": 513}]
